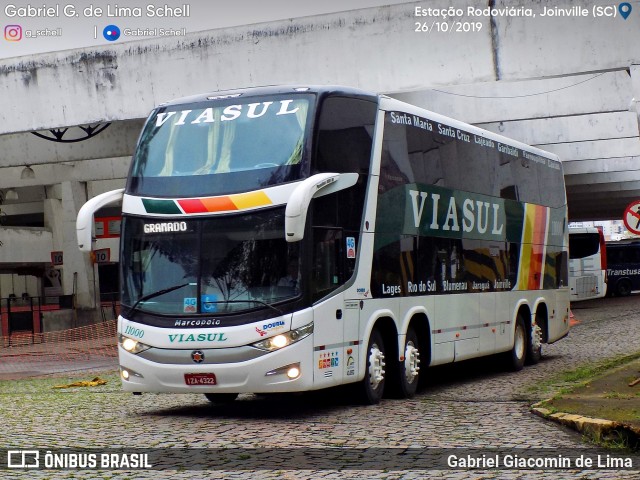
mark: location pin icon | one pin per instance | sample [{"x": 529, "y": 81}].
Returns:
[{"x": 624, "y": 9}]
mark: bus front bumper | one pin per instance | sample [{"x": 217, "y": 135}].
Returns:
[{"x": 265, "y": 374}]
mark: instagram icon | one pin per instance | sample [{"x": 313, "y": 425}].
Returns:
[{"x": 13, "y": 33}]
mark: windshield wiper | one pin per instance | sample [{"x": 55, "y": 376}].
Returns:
[
  {"x": 151, "y": 295},
  {"x": 280, "y": 312}
]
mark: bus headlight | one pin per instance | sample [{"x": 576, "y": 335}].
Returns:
[
  {"x": 131, "y": 345},
  {"x": 284, "y": 339}
]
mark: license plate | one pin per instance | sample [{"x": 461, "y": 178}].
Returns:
[{"x": 199, "y": 378}]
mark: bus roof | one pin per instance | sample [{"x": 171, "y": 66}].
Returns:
[
  {"x": 274, "y": 90},
  {"x": 625, "y": 242},
  {"x": 386, "y": 103}
]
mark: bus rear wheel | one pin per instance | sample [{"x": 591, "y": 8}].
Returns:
[
  {"x": 221, "y": 398},
  {"x": 410, "y": 367},
  {"x": 372, "y": 385},
  {"x": 534, "y": 345},
  {"x": 518, "y": 351}
]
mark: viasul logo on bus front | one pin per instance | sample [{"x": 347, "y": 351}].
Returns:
[{"x": 200, "y": 337}]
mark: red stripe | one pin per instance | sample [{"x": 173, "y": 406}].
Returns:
[{"x": 192, "y": 205}]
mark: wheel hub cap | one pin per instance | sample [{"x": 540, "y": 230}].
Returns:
[
  {"x": 376, "y": 366},
  {"x": 411, "y": 362}
]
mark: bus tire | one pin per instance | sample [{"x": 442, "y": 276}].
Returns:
[
  {"x": 519, "y": 350},
  {"x": 534, "y": 345},
  {"x": 371, "y": 387},
  {"x": 409, "y": 371},
  {"x": 623, "y": 288},
  {"x": 221, "y": 398}
]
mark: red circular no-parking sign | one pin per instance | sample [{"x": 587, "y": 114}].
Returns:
[{"x": 631, "y": 217}]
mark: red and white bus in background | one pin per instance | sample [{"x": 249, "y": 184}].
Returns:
[{"x": 587, "y": 263}]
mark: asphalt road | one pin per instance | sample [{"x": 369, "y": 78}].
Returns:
[{"x": 472, "y": 407}]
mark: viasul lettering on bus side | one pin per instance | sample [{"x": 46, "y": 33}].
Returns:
[{"x": 454, "y": 211}]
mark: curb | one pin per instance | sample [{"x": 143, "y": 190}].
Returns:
[{"x": 597, "y": 429}]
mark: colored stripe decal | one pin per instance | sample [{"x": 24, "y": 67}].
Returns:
[
  {"x": 534, "y": 233},
  {"x": 225, "y": 203},
  {"x": 539, "y": 234},
  {"x": 160, "y": 206},
  {"x": 192, "y": 206},
  {"x": 218, "y": 204},
  {"x": 250, "y": 200}
]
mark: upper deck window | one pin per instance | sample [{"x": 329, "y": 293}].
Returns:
[{"x": 222, "y": 146}]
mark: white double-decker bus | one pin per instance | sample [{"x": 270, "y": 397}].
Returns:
[{"x": 286, "y": 239}]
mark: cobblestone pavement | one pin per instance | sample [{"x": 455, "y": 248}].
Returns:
[{"x": 472, "y": 405}]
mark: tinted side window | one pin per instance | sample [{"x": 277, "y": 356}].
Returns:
[
  {"x": 622, "y": 254},
  {"x": 343, "y": 145},
  {"x": 345, "y": 136}
]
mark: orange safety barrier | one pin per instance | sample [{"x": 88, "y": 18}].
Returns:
[{"x": 30, "y": 354}]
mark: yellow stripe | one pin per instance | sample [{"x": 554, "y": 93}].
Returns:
[{"x": 250, "y": 200}]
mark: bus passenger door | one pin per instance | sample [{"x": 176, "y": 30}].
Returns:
[{"x": 327, "y": 275}]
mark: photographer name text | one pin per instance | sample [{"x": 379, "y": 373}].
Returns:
[{"x": 91, "y": 11}]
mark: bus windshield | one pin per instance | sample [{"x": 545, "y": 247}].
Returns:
[
  {"x": 221, "y": 147},
  {"x": 209, "y": 265}
]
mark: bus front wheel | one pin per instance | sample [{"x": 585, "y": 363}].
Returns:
[
  {"x": 372, "y": 385},
  {"x": 623, "y": 288}
]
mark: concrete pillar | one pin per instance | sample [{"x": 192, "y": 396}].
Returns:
[
  {"x": 77, "y": 268},
  {"x": 635, "y": 86}
]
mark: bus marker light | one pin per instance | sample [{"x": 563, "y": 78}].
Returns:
[
  {"x": 292, "y": 371},
  {"x": 126, "y": 374}
]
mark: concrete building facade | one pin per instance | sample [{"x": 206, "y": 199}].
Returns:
[{"x": 567, "y": 85}]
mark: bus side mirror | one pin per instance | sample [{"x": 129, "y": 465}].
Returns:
[
  {"x": 315, "y": 186},
  {"x": 84, "y": 223}
]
